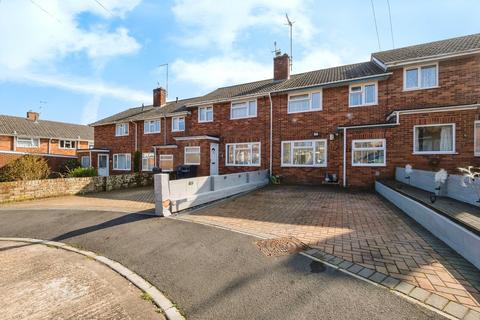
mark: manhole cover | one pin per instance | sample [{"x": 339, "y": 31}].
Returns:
[{"x": 281, "y": 246}]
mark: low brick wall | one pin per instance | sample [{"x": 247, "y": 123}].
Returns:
[{"x": 35, "y": 189}]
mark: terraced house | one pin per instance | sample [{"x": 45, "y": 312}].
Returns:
[
  {"x": 54, "y": 141},
  {"x": 350, "y": 124}
]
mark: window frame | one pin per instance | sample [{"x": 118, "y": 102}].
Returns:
[
  {"x": 419, "y": 76},
  {"x": 206, "y": 120},
  {"x": 309, "y": 93},
  {"x": 475, "y": 141},
  {"x": 291, "y": 165},
  {"x": 178, "y": 117},
  {"x": 129, "y": 156},
  {"x": 247, "y": 102},
  {"x": 160, "y": 159},
  {"x": 149, "y": 121},
  {"x": 363, "y": 85},
  {"x": 185, "y": 155},
  {"x": 384, "y": 148},
  {"x": 251, "y": 150},
  {"x": 122, "y": 124},
  {"x": 75, "y": 142},
  {"x": 89, "y": 161},
  {"x": 434, "y": 152},
  {"x": 150, "y": 155},
  {"x": 33, "y": 146}
]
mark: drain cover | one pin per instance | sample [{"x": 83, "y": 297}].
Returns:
[{"x": 280, "y": 246}]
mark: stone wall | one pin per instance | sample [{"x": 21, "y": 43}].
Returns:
[{"x": 35, "y": 189}]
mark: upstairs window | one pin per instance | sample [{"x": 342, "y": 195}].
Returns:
[
  {"x": 205, "y": 114},
  {"x": 363, "y": 95},
  {"x": 421, "y": 77},
  {"x": 245, "y": 109},
  {"x": 243, "y": 154},
  {"x": 178, "y": 124},
  {"x": 68, "y": 144},
  {"x": 28, "y": 142},
  {"x": 434, "y": 139},
  {"x": 304, "y": 102},
  {"x": 151, "y": 126},
  {"x": 368, "y": 153},
  {"x": 304, "y": 153},
  {"x": 121, "y": 129}
]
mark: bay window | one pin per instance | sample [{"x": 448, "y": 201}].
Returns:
[
  {"x": 305, "y": 102},
  {"x": 245, "y": 109},
  {"x": 243, "y": 154},
  {"x": 420, "y": 77},
  {"x": 192, "y": 155},
  {"x": 148, "y": 161},
  {"x": 151, "y": 126},
  {"x": 205, "y": 114},
  {"x": 368, "y": 153},
  {"x": 178, "y": 124},
  {"x": 363, "y": 95},
  {"x": 304, "y": 153},
  {"x": 122, "y": 161},
  {"x": 121, "y": 129},
  {"x": 434, "y": 139}
]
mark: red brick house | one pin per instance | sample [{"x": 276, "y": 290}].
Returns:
[
  {"x": 350, "y": 124},
  {"x": 55, "y": 141}
]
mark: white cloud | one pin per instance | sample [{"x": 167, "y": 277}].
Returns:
[{"x": 90, "y": 110}]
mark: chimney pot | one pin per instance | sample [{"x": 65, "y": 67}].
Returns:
[
  {"x": 159, "y": 97},
  {"x": 281, "y": 67},
  {"x": 33, "y": 116}
]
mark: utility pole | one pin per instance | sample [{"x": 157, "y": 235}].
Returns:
[
  {"x": 166, "y": 82},
  {"x": 290, "y": 25}
]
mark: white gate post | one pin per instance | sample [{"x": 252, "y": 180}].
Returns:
[{"x": 162, "y": 194}]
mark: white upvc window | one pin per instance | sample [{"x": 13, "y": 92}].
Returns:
[
  {"x": 434, "y": 139},
  {"x": 192, "y": 155},
  {"x": 91, "y": 145},
  {"x": 24, "y": 142},
  {"x": 148, "y": 161},
  {"x": 67, "y": 144},
  {"x": 166, "y": 162},
  {"x": 85, "y": 161},
  {"x": 122, "y": 161},
  {"x": 205, "y": 114},
  {"x": 305, "y": 102},
  {"x": 244, "y": 109},
  {"x": 420, "y": 77},
  {"x": 369, "y": 153},
  {"x": 304, "y": 153},
  {"x": 243, "y": 154},
  {"x": 364, "y": 94},
  {"x": 151, "y": 126},
  {"x": 178, "y": 124},
  {"x": 121, "y": 129},
  {"x": 476, "y": 138}
]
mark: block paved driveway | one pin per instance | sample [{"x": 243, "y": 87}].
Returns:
[{"x": 359, "y": 227}]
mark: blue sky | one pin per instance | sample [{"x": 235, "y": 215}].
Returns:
[{"x": 79, "y": 62}]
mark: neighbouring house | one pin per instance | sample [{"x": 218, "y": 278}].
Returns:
[
  {"x": 54, "y": 141},
  {"x": 349, "y": 124}
]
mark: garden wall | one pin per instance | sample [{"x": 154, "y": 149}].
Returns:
[{"x": 35, "y": 189}]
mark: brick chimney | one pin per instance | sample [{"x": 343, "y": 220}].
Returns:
[
  {"x": 33, "y": 116},
  {"x": 281, "y": 67},
  {"x": 159, "y": 97}
]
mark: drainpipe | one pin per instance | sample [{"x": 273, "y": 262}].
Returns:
[
  {"x": 271, "y": 131},
  {"x": 344, "y": 157},
  {"x": 398, "y": 117},
  {"x": 155, "y": 155},
  {"x": 49, "y": 142},
  {"x": 136, "y": 134},
  {"x": 165, "y": 130}
]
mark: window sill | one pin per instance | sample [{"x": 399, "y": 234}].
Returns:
[
  {"x": 294, "y": 112},
  {"x": 204, "y": 121},
  {"x": 433, "y": 153},
  {"x": 156, "y": 132},
  {"x": 242, "y": 165},
  {"x": 364, "y": 105},
  {"x": 191, "y": 164},
  {"x": 302, "y": 166},
  {"x": 249, "y": 117},
  {"x": 369, "y": 165},
  {"x": 178, "y": 130},
  {"x": 123, "y": 135},
  {"x": 121, "y": 169},
  {"x": 417, "y": 89}
]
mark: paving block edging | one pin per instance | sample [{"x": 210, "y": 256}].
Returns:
[
  {"x": 429, "y": 300},
  {"x": 160, "y": 300}
]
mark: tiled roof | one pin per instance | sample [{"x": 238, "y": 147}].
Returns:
[
  {"x": 442, "y": 47},
  {"x": 146, "y": 112},
  {"x": 301, "y": 80},
  {"x": 43, "y": 128}
]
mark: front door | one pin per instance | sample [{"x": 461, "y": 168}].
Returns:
[
  {"x": 103, "y": 165},
  {"x": 213, "y": 159}
]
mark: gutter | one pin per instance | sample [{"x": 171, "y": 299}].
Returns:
[
  {"x": 435, "y": 109},
  {"x": 431, "y": 58}
]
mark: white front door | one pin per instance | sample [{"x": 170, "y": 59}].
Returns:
[
  {"x": 103, "y": 165},
  {"x": 213, "y": 159}
]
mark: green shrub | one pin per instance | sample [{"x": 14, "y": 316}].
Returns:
[
  {"x": 83, "y": 172},
  {"x": 28, "y": 167},
  {"x": 69, "y": 165}
]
